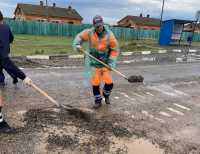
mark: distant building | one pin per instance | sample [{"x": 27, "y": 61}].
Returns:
[
  {"x": 172, "y": 32},
  {"x": 198, "y": 28},
  {"x": 139, "y": 22},
  {"x": 43, "y": 13},
  {"x": 190, "y": 27}
]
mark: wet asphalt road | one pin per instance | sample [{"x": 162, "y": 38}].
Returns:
[{"x": 165, "y": 109}]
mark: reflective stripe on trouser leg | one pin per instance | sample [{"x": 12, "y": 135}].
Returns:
[
  {"x": 96, "y": 93},
  {"x": 1, "y": 117},
  {"x": 107, "y": 89}
]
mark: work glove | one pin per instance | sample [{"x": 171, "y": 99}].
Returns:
[
  {"x": 79, "y": 48},
  {"x": 112, "y": 64},
  {"x": 27, "y": 81}
]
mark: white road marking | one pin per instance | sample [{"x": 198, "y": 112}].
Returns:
[
  {"x": 62, "y": 67},
  {"x": 168, "y": 90},
  {"x": 193, "y": 59},
  {"x": 22, "y": 112},
  {"x": 178, "y": 59},
  {"x": 175, "y": 111},
  {"x": 127, "y": 62},
  {"x": 46, "y": 57},
  {"x": 184, "y": 83},
  {"x": 127, "y": 112},
  {"x": 76, "y": 56},
  {"x": 116, "y": 97},
  {"x": 138, "y": 95},
  {"x": 176, "y": 50},
  {"x": 162, "y": 51},
  {"x": 165, "y": 114},
  {"x": 160, "y": 120},
  {"x": 147, "y": 114},
  {"x": 180, "y": 92},
  {"x": 182, "y": 107},
  {"x": 192, "y": 50},
  {"x": 148, "y": 93},
  {"x": 126, "y": 53},
  {"x": 146, "y": 52},
  {"x": 148, "y": 59},
  {"x": 196, "y": 55},
  {"x": 125, "y": 95},
  {"x": 151, "y": 116},
  {"x": 163, "y": 90}
]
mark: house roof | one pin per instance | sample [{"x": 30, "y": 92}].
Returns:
[
  {"x": 180, "y": 21},
  {"x": 144, "y": 21},
  {"x": 38, "y": 10}
]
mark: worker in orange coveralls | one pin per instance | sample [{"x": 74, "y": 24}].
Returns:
[{"x": 104, "y": 46}]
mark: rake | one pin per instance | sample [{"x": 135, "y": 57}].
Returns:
[{"x": 131, "y": 79}]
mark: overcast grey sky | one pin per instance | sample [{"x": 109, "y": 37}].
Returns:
[{"x": 114, "y": 10}]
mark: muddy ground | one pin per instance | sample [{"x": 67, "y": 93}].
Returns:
[
  {"x": 159, "y": 116},
  {"x": 53, "y": 130}
]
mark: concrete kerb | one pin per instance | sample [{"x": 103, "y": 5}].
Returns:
[
  {"x": 41, "y": 57},
  {"x": 160, "y": 56},
  {"x": 174, "y": 55},
  {"x": 134, "y": 53}
]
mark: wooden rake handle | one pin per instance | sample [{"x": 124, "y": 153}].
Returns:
[
  {"x": 106, "y": 65},
  {"x": 45, "y": 94}
]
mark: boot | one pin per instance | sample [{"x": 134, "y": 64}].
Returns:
[
  {"x": 5, "y": 128},
  {"x": 107, "y": 91},
  {"x": 15, "y": 80},
  {"x": 107, "y": 100},
  {"x": 97, "y": 105},
  {"x": 97, "y": 97}
]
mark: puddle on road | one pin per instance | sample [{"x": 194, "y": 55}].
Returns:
[{"x": 135, "y": 146}]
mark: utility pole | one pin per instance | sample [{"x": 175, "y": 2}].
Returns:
[
  {"x": 47, "y": 10},
  {"x": 197, "y": 19},
  {"x": 161, "y": 15}
]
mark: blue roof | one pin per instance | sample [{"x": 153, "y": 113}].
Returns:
[{"x": 181, "y": 21}]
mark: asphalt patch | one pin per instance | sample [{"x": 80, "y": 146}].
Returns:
[
  {"x": 78, "y": 113},
  {"x": 64, "y": 141},
  {"x": 120, "y": 131},
  {"x": 99, "y": 128}
]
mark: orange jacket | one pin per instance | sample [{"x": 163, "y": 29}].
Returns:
[{"x": 104, "y": 48}]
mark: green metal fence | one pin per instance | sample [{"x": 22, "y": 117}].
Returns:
[{"x": 55, "y": 29}]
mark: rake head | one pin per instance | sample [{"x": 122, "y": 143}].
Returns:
[{"x": 135, "y": 78}]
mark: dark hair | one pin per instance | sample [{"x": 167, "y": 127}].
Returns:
[{"x": 1, "y": 16}]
